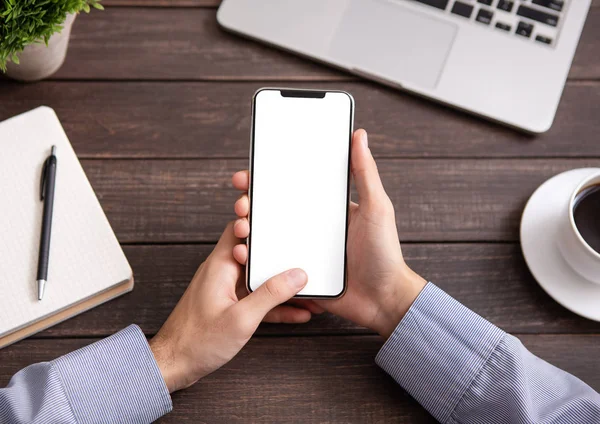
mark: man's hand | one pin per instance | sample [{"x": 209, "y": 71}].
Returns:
[
  {"x": 381, "y": 287},
  {"x": 216, "y": 317}
]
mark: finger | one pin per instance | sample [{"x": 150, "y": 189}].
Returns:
[
  {"x": 241, "y": 228},
  {"x": 241, "y": 180},
  {"x": 240, "y": 253},
  {"x": 364, "y": 169},
  {"x": 227, "y": 241},
  {"x": 273, "y": 292},
  {"x": 221, "y": 269},
  {"x": 288, "y": 315},
  {"x": 309, "y": 305},
  {"x": 242, "y": 206}
]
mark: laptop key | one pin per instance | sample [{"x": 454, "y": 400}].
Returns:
[
  {"x": 556, "y": 5},
  {"x": 440, "y": 4},
  {"x": 524, "y": 29},
  {"x": 462, "y": 9},
  {"x": 505, "y": 5},
  {"x": 465, "y": 8},
  {"x": 502, "y": 26},
  {"x": 537, "y": 15},
  {"x": 485, "y": 16},
  {"x": 542, "y": 39}
]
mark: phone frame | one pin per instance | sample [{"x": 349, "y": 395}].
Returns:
[{"x": 301, "y": 93}]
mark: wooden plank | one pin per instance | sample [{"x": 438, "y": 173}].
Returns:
[
  {"x": 491, "y": 279},
  {"x": 435, "y": 200},
  {"x": 583, "y": 67},
  {"x": 308, "y": 379},
  {"x": 162, "y": 3},
  {"x": 273, "y": 380},
  {"x": 174, "y": 43},
  {"x": 192, "y": 3},
  {"x": 335, "y": 380},
  {"x": 200, "y": 120},
  {"x": 186, "y": 43}
]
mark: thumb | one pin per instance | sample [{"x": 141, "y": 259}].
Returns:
[
  {"x": 364, "y": 169},
  {"x": 273, "y": 292}
]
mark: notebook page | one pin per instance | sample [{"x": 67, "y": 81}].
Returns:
[{"x": 85, "y": 256}]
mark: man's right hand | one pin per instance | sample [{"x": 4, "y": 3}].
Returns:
[{"x": 381, "y": 287}]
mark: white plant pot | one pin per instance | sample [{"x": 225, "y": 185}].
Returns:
[{"x": 38, "y": 61}]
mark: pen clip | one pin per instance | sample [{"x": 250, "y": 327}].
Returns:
[{"x": 43, "y": 180}]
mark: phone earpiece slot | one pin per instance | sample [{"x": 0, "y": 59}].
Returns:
[{"x": 311, "y": 94}]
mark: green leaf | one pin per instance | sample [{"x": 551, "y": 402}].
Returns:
[{"x": 24, "y": 22}]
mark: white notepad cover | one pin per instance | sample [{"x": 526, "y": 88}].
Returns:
[{"x": 85, "y": 256}]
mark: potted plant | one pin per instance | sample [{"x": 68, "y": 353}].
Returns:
[{"x": 34, "y": 35}]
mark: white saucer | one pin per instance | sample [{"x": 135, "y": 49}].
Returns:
[{"x": 539, "y": 227}]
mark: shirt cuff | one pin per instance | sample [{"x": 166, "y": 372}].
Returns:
[
  {"x": 437, "y": 350},
  {"x": 115, "y": 380}
]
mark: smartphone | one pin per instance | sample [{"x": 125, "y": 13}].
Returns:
[{"x": 299, "y": 187}]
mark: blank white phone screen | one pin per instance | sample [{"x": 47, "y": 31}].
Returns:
[{"x": 299, "y": 189}]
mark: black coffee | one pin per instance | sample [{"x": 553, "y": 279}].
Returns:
[{"x": 586, "y": 211}]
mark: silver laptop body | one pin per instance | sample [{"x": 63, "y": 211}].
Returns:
[{"x": 506, "y": 60}]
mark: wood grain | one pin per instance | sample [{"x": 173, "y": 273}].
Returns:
[
  {"x": 174, "y": 44},
  {"x": 491, "y": 279},
  {"x": 308, "y": 379},
  {"x": 318, "y": 380},
  {"x": 435, "y": 200},
  {"x": 186, "y": 43},
  {"x": 201, "y": 120},
  {"x": 163, "y": 3},
  {"x": 192, "y": 3},
  {"x": 155, "y": 99}
]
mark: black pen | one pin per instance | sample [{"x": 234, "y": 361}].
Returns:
[{"x": 47, "y": 184}]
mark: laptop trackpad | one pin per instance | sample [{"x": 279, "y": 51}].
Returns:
[{"x": 393, "y": 42}]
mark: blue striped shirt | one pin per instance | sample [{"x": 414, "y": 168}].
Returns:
[
  {"x": 460, "y": 367},
  {"x": 115, "y": 380},
  {"x": 463, "y": 369}
]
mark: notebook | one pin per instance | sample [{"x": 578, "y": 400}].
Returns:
[{"x": 87, "y": 266}]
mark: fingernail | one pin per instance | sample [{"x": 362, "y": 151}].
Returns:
[{"x": 297, "y": 277}]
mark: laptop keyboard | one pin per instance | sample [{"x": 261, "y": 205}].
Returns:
[{"x": 534, "y": 20}]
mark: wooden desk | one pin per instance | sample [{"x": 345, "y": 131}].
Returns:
[{"x": 156, "y": 102}]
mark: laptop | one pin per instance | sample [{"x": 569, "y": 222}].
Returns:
[{"x": 505, "y": 60}]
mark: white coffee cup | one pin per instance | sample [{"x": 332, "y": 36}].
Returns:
[{"x": 575, "y": 250}]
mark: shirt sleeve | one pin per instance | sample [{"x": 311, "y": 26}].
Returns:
[
  {"x": 463, "y": 369},
  {"x": 114, "y": 380}
]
